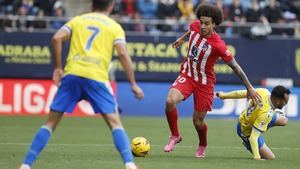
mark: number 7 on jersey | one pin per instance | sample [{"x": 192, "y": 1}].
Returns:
[{"x": 95, "y": 31}]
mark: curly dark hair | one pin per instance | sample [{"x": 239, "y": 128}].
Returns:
[{"x": 210, "y": 11}]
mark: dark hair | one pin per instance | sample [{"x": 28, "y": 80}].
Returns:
[
  {"x": 101, "y": 5},
  {"x": 210, "y": 11},
  {"x": 279, "y": 92}
]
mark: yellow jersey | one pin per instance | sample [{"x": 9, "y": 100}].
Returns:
[
  {"x": 258, "y": 116},
  {"x": 93, "y": 36}
]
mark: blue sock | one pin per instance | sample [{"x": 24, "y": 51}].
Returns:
[
  {"x": 122, "y": 144},
  {"x": 38, "y": 143}
]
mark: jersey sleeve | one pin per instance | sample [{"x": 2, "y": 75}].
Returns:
[
  {"x": 224, "y": 52},
  {"x": 69, "y": 26},
  {"x": 236, "y": 94},
  {"x": 119, "y": 35},
  {"x": 262, "y": 122},
  {"x": 253, "y": 139}
]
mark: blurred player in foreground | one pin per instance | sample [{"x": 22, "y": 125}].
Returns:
[
  {"x": 93, "y": 36},
  {"x": 197, "y": 74},
  {"x": 256, "y": 119}
]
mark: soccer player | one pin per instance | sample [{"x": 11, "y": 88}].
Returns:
[
  {"x": 93, "y": 36},
  {"x": 197, "y": 74},
  {"x": 256, "y": 119}
]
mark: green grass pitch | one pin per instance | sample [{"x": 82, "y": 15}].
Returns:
[{"x": 86, "y": 143}]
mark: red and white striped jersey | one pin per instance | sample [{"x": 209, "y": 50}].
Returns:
[{"x": 202, "y": 55}]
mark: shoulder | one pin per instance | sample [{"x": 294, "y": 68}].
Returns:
[
  {"x": 218, "y": 42},
  {"x": 114, "y": 25},
  {"x": 263, "y": 91},
  {"x": 117, "y": 25},
  {"x": 217, "y": 38}
]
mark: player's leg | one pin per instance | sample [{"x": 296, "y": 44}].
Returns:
[
  {"x": 266, "y": 153},
  {"x": 120, "y": 138},
  {"x": 201, "y": 128},
  {"x": 173, "y": 98},
  {"x": 102, "y": 100},
  {"x": 64, "y": 101},
  {"x": 278, "y": 120},
  {"x": 180, "y": 90},
  {"x": 245, "y": 139},
  {"x": 41, "y": 139},
  {"x": 281, "y": 120},
  {"x": 203, "y": 98}
]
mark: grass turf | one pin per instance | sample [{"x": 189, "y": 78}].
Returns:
[{"x": 87, "y": 143}]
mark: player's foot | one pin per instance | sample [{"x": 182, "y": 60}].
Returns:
[
  {"x": 136, "y": 167},
  {"x": 173, "y": 140},
  {"x": 24, "y": 166},
  {"x": 131, "y": 165},
  {"x": 200, "y": 152}
]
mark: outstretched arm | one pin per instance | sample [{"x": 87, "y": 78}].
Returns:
[
  {"x": 240, "y": 73},
  {"x": 236, "y": 94},
  {"x": 181, "y": 40}
]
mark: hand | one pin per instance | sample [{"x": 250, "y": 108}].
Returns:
[
  {"x": 177, "y": 43},
  {"x": 254, "y": 96},
  {"x": 218, "y": 94},
  {"x": 57, "y": 74},
  {"x": 137, "y": 91}
]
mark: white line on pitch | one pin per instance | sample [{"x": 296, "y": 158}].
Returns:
[{"x": 178, "y": 146}]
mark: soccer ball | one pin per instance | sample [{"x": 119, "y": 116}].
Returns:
[{"x": 140, "y": 146}]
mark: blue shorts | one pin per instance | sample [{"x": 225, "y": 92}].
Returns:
[{"x": 74, "y": 88}]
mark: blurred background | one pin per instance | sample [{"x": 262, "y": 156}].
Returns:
[{"x": 263, "y": 35}]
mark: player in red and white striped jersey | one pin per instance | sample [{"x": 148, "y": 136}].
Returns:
[{"x": 197, "y": 74}]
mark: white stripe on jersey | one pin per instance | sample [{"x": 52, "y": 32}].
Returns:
[
  {"x": 190, "y": 51},
  {"x": 187, "y": 60},
  {"x": 184, "y": 67},
  {"x": 203, "y": 63},
  {"x": 66, "y": 28},
  {"x": 195, "y": 63}
]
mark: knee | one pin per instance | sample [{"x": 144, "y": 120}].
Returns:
[
  {"x": 198, "y": 122},
  {"x": 271, "y": 157},
  {"x": 282, "y": 121},
  {"x": 285, "y": 121},
  {"x": 170, "y": 102},
  {"x": 113, "y": 120}
]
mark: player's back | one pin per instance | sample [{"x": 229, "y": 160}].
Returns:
[
  {"x": 256, "y": 113},
  {"x": 93, "y": 36}
]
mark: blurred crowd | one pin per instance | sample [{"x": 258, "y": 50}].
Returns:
[
  {"x": 31, "y": 14},
  {"x": 265, "y": 16},
  {"x": 236, "y": 14}
]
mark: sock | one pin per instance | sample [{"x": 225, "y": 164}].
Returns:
[
  {"x": 38, "y": 143},
  {"x": 131, "y": 165},
  {"x": 203, "y": 135},
  {"x": 121, "y": 141},
  {"x": 172, "y": 118}
]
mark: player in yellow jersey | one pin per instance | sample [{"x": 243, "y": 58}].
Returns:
[
  {"x": 256, "y": 119},
  {"x": 93, "y": 37}
]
